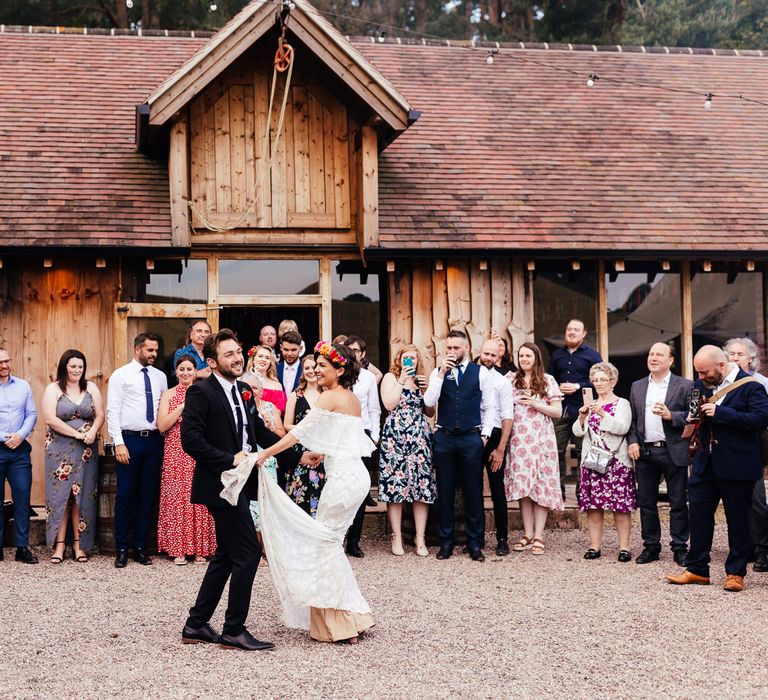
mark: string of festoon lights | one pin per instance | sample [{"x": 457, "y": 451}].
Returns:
[
  {"x": 591, "y": 79},
  {"x": 211, "y": 6}
]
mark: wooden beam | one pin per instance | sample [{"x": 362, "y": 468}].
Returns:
[
  {"x": 686, "y": 334},
  {"x": 521, "y": 326},
  {"x": 601, "y": 312},
  {"x": 271, "y": 299},
  {"x": 178, "y": 180},
  {"x": 280, "y": 238},
  {"x": 369, "y": 189},
  {"x": 326, "y": 296}
]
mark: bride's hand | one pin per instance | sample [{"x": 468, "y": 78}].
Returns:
[
  {"x": 313, "y": 458},
  {"x": 260, "y": 458}
]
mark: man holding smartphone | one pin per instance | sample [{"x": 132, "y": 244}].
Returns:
[
  {"x": 659, "y": 410},
  {"x": 462, "y": 392}
]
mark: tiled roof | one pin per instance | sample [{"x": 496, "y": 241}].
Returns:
[
  {"x": 70, "y": 173},
  {"x": 520, "y": 156}
]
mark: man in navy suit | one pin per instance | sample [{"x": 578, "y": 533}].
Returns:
[
  {"x": 726, "y": 466},
  {"x": 289, "y": 367}
]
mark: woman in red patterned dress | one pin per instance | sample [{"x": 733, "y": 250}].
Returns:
[{"x": 185, "y": 529}]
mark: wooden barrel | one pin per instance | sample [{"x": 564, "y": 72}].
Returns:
[
  {"x": 432, "y": 536},
  {"x": 105, "y": 524}
]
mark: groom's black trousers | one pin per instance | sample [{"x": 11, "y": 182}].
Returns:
[{"x": 237, "y": 554}]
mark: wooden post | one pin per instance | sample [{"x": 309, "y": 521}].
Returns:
[
  {"x": 521, "y": 326},
  {"x": 326, "y": 292},
  {"x": 178, "y": 180},
  {"x": 686, "y": 334},
  {"x": 601, "y": 312},
  {"x": 213, "y": 292},
  {"x": 368, "y": 222},
  {"x": 121, "y": 334}
]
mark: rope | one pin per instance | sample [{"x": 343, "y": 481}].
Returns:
[{"x": 284, "y": 54}]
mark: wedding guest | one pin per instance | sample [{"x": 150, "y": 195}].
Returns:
[
  {"x": 306, "y": 482},
  {"x": 366, "y": 390},
  {"x": 198, "y": 332},
  {"x": 504, "y": 363},
  {"x": 74, "y": 413},
  {"x": 570, "y": 365},
  {"x": 605, "y": 423},
  {"x": 184, "y": 529},
  {"x": 660, "y": 405},
  {"x": 132, "y": 403},
  {"x": 17, "y": 419},
  {"x": 266, "y": 410},
  {"x": 261, "y": 361},
  {"x": 745, "y": 353},
  {"x": 532, "y": 474},
  {"x": 503, "y": 409},
  {"x": 287, "y": 325},
  {"x": 406, "y": 474},
  {"x": 360, "y": 348},
  {"x": 289, "y": 367},
  {"x": 268, "y": 337},
  {"x": 459, "y": 388}
]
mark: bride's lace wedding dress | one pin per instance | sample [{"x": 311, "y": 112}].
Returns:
[{"x": 311, "y": 573}]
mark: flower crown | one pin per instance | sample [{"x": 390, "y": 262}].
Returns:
[
  {"x": 253, "y": 350},
  {"x": 326, "y": 349}
]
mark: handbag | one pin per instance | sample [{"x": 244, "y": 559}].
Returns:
[{"x": 598, "y": 459}]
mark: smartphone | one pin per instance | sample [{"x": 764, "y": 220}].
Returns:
[
  {"x": 587, "y": 396},
  {"x": 408, "y": 365}
]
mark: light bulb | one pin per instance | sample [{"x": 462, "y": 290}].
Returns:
[
  {"x": 381, "y": 37},
  {"x": 214, "y": 7},
  {"x": 591, "y": 80},
  {"x": 489, "y": 57},
  {"x": 129, "y": 4},
  {"x": 708, "y": 101}
]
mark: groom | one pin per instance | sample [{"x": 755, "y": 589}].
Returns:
[{"x": 217, "y": 431}]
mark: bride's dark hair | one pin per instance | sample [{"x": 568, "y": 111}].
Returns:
[{"x": 350, "y": 366}]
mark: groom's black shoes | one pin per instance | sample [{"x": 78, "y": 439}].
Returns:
[
  {"x": 444, "y": 552},
  {"x": 204, "y": 635},
  {"x": 353, "y": 549},
  {"x": 142, "y": 557},
  {"x": 245, "y": 641}
]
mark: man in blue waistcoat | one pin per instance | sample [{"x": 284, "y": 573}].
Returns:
[{"x": 459, "y": 388}]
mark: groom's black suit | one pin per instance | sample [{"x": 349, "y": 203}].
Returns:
[{"x": 209, "y": 435}]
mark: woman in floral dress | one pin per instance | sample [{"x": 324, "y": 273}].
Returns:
[
  {"x": 406, "y": 474},
  {"x": 74, "y": 412},
  {"x": 532, "y": 473},
  {"x": 184, "y": 529},
  {"x": 605, "y": 422},
  {"x": 306, "y": 482}
]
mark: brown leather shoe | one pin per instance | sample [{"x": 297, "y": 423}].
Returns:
[
  {"x": 733, "y": 583},
  {"x": 687, "y": 577}
]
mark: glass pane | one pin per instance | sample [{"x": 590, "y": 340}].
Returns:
[
  {"x": 557, "y": 298},
  {"x": 722, "y": 311},
  {"x": 247, "y": 322},
  {"x": 355, "y": 310},
  {"x": 641, "y": 312},
  {"x": 257, "y": 277},
  {"x": 173, "y": 335},
  {"x": 189, "y": 286}
]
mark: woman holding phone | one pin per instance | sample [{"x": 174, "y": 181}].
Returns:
[
  {"x": 532, "y": 473},
  {"x": 406, "y": 474}
]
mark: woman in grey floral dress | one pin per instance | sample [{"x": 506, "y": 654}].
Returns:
[
  {"x": 405, "y": 462},
  {"x": 74, "y": 412}
]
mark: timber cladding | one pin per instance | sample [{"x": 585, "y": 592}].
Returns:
[
  {"x": 313, "y": 183},
  {"x": 427, "y": 299},
  {"x": 43, "y": 312}
]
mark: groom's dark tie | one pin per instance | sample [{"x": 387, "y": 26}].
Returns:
[{"x": 238, "y": 413}]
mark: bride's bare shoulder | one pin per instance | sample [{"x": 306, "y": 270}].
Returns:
[{"x": 339, "y": 402}]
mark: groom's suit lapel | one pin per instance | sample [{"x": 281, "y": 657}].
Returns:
[{"x": 218, "y": 391}]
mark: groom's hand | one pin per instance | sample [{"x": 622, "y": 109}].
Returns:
[
  {"x": 313, "y": 458},
  {"x": 239, "y": 457}
]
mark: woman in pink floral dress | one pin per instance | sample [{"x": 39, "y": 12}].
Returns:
[{"x": 532, "y": 474}]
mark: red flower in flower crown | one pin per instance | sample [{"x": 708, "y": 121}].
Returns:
[
  {"x": 246, "y": 395},
  {"x": 253, "y": 350}
]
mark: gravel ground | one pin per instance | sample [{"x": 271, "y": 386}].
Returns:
[{"x": 521, "y": 626}]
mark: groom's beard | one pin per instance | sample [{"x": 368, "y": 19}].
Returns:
[{"x": 232, "y": 373}]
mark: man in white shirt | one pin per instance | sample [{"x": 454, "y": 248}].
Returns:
[
  {"x": 464, "y": 395},
  {"x": 367, "y": 394},
  {"x": 289, "y": 367},
  {"x": 503, "y": 409},
  {"x": 659, "y": 410},
  {"x": 132, "y": 402}
]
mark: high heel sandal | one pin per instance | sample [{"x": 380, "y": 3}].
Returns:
[
  {"x": 55, "y": 559},
  {"x": 82, "y": 558},
  {"x": 421, "y": 547}
]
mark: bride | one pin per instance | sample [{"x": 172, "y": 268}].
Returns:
[{"x": 311, "y": 573}]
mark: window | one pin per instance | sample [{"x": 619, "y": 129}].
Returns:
[
  {"x": 268, "y": 277},
  {"x": 176, "y": 282}
]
